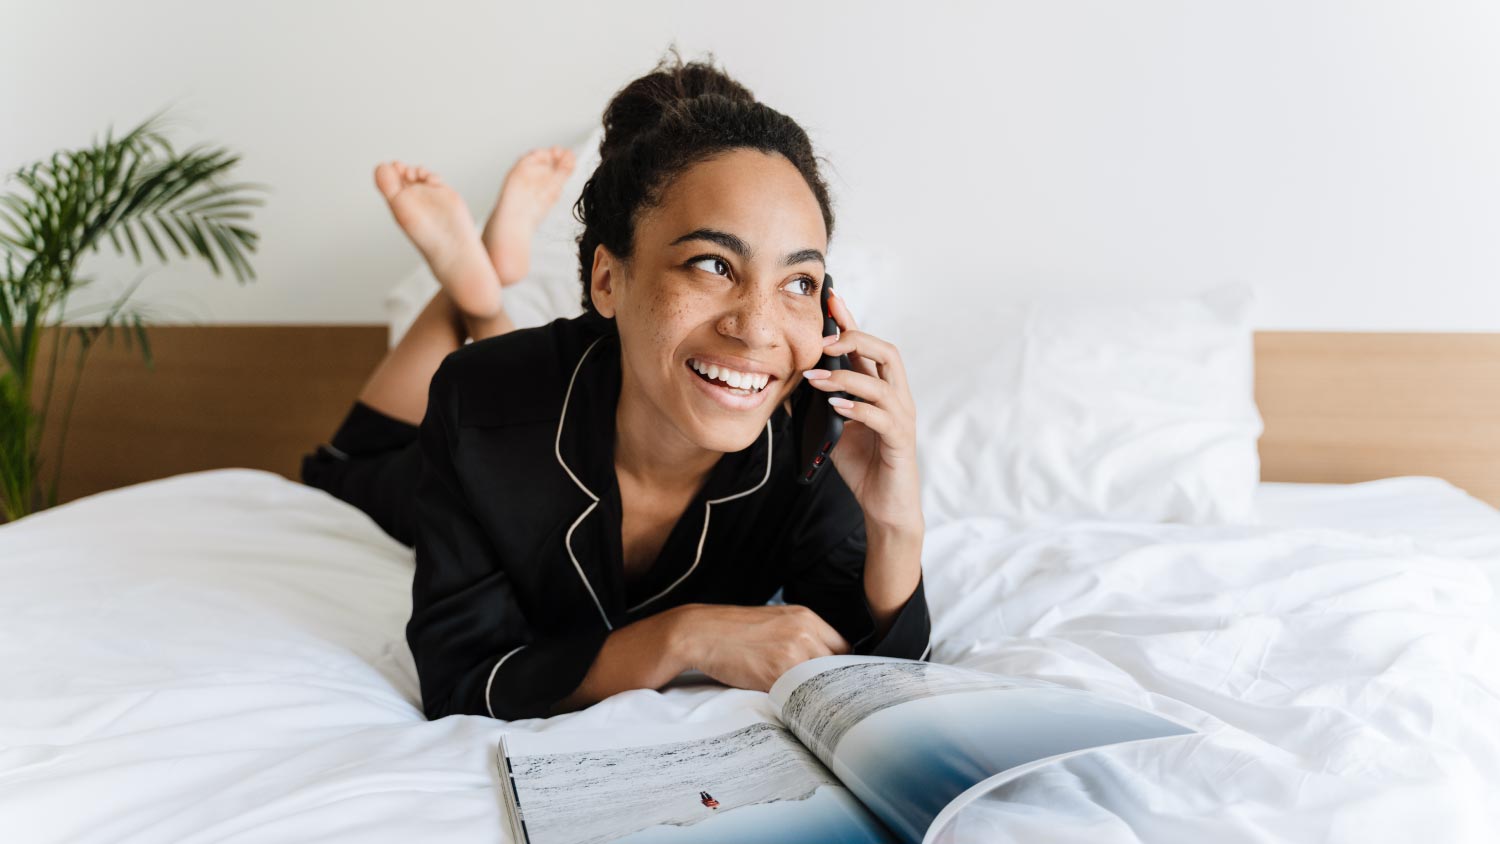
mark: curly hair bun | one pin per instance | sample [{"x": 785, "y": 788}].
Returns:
[
  {"x": 658, "y": 126},
  {"x": 641, "y": 105}
]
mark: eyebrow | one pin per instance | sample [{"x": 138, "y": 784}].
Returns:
[{"x": 734, "y": 244}]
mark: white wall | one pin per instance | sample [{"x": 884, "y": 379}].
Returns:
[{"x": 1344, "y": 157}]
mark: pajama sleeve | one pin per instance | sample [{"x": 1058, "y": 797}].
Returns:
[
  {"x": 474, "y": 649},
  {"x": 827, "y": 552}
]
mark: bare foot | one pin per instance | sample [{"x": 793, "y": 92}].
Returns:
[
  {"x": 438, "y": 222},
  {"x": 530, "y": 188}
]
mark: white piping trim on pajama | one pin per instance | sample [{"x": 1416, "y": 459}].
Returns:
[
  {"x": 568, "y": 539},
  {"x": 707, "y": 510},
  {"x": 492, "y": 679},
  {"x": 557, "y": 450}
]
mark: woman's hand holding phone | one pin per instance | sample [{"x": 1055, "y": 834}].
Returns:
[{"x": 877, "y": 457}]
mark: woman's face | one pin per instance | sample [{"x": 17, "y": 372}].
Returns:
[{"x": 726, "y": 272}]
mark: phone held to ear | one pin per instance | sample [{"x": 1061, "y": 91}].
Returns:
[{"x": 818, "y": 425}]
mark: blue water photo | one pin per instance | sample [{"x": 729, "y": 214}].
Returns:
[{"x": 908, "y": 762}]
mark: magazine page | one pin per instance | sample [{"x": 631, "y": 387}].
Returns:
[
  {"x": 740, "y": 779},
  {"x": 909, "y": 737},
  {"x": 989, "y": 810}
]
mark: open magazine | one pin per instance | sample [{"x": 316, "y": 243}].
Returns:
[{"x": 865, "y": 749}]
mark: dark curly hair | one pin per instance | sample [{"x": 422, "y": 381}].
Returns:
[{"x": 661, "y": 124}]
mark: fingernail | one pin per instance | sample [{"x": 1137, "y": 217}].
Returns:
[
  {"x": 839, "y": 402},
  {"x": 831, "y": 339},
  {"x": 814, "y": 374}
]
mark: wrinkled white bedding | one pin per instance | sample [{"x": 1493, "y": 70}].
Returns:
[{"x": 219, "y": 656}]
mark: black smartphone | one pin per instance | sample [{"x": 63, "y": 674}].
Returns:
[{"x": 817, "y": 424}]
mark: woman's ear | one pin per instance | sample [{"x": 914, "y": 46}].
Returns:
[{"x": 603, "y": 279}]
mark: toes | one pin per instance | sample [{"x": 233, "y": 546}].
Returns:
[
  {"x": 392, "y": 176},
  {"x": 388, "y": 178}
]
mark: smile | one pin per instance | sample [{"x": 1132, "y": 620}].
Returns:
[{"x": 731, "y": 388}]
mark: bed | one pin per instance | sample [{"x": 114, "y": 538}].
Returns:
[
  {"x": 219, "y": 656},
  {"x": 1288, "y": 540}
]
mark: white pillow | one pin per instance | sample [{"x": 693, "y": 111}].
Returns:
[{"x": 1137, "y": 410}]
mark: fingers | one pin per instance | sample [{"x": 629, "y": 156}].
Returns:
[
  {"x": 845, "y": 318},
  {"x": 825, "y": 632},
  {"x": 866, "y": 387},
  {"x": 886, "y": 406},
  {"x": 838, "y": 644},
  {"x": 896, "y": 436},
  {"x": 841, "y": 313},
  {"x": 868, "y": 347},
  {"x": 883, "y": 409},
  {"x": 831, "y": 638},
  {"x": 764, "y": 642}
]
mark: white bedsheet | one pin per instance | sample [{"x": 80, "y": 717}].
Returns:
[
  {"x": 1436, "y": 516},
  {"x": 219, "y": 656}
]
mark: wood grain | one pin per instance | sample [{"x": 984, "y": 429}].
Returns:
[
  {"x": 1338, "y": 406},
  {"x": 258, "y": 396},
  {"x": 1354, "y": 406}
]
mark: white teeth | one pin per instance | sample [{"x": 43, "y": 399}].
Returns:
[{"x": 749, "y": 382}]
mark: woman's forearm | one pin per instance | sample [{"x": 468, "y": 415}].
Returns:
[
  {"x": 646, "y": 654},
  {"x": 893, "y": 566}
]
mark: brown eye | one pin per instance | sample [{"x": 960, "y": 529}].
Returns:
[
  {"x": 717, "y": 262},
  {"x": 812, "y": 286}
]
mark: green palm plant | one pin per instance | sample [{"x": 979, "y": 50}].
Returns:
[{"x": 131, "y": 190}]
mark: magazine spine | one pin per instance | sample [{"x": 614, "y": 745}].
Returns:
[{"x": 513, "y": 796}]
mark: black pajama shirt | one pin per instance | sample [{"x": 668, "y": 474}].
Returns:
[{"x": 508, "y": 491}]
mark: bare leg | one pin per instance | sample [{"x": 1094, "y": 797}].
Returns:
[
  {"x": 469, "y": 304},
  {"x": 398, "y": 386}
]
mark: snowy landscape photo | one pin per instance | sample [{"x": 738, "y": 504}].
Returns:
[{"x": 736, "y": 786}]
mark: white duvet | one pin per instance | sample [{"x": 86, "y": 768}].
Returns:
[{"x": 220, "y": 657}]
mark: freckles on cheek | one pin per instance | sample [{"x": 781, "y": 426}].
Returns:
[{"x": 664, "y": 315}]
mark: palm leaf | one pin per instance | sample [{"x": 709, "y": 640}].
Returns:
[{"x": 123, "y": 189}]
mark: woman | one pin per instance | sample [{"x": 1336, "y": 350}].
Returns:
[{"x": 601, "y": 503}]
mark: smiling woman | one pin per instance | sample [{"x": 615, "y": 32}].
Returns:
[
  {"x": 739, "y": 294},
  {"x": 600, "y": 503}
]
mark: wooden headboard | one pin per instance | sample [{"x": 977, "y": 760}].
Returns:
[
  {"x": 1338, "y": 406},
  {"x": 1353, "y": 406}
]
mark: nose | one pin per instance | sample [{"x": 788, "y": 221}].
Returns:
[{"x": 752, "y": 317}]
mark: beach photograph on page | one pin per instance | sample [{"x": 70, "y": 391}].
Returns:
[{"x": 736, "y": 783}]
